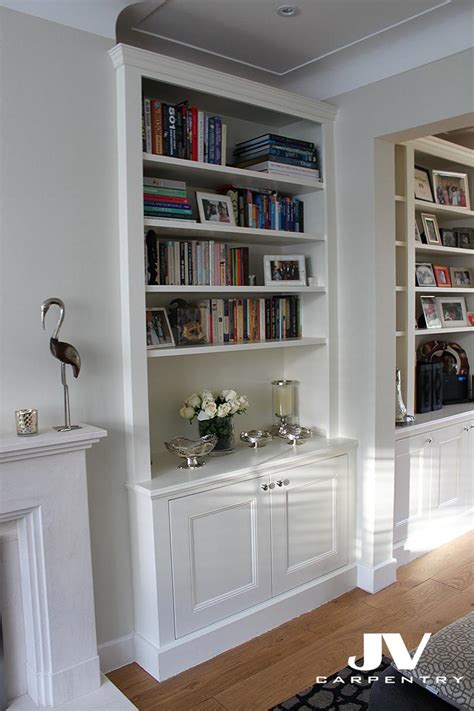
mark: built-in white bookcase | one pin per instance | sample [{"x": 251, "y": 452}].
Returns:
[
  {"x": 433, "y": 154},
  {"x": 157, "y": 381}
]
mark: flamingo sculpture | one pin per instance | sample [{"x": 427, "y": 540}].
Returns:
[{"x": 66, "y": 354}]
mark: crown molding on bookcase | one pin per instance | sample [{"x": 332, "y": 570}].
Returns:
[
  {"x": 175, "y": 71},
  {"x": 441, "y": 148}
]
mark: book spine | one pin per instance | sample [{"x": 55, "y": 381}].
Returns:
[
  {"x": 212, "y": 140},
  {"x": 217, "y": 140},
  {"x": 150, "y": 200},
  {"x": 175, "y": 185},
  {"x": 171, "y": 122},
  {"x": 201, "y": 141},
  {"x": 194, "y": 133},
  {"x": 274, "y": 137},
  {"x": 148, "y": 126},
  {"x": 280, "y": 151},
  {"x": 206, "y": 138},
  {"x": 224, "y": 144},
  {"x": 157, "y": 127},
  {"x": 157, "y": 197},
  {"x": 184, "y": 210}
]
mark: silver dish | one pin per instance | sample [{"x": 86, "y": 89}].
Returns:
[
  {"x": 256, "y": 438},
  {"x": 191, "y": 450},
  {"x": 295, "y": 434}
]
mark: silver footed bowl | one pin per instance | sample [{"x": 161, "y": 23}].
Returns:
[
  {"x": 191, "y": 450},
  {"x": 256, "y": 438},
  {"x": 295, "y": 434}
]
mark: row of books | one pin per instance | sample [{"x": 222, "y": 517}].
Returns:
[
  {"x": 166, "y": 199},
  {"x": 283, "y": 154},
  {"x": 183, "y": 131},
  {"x": 208, "y": 263},
  {"x": 266, "y": 209},
  {"x": 240, "y": 320}
]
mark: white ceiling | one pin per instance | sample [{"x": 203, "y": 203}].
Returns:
[{"x": 251, "y": 32}]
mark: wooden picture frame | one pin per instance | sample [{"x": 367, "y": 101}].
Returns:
[
  {"x": 462, "y": 277},
  {"x": 158, "y": 329},
  {"x": 284, "y": 270},
  {"x": 451, "y": 189},
  {"x": 215, "y": 209},
  {"x": 452, "y": 311},
  {"x": 431, "y": 229},
  {"x": 423, "y": 190},
  {"x": 449, "y": 237},
  {"x": 443, "y": 279}
]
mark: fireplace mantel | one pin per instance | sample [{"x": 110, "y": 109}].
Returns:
[{"x": 43, "y": 487}]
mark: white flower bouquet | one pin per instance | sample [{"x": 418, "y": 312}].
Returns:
[{"x": 214, "y": 414}]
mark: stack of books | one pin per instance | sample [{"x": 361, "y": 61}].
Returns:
[
  {"x": 271, "y": 153},
  {"x": 265, "y": 209},
  {"x": 166, "y": 200},
  {"x": 194, "y": 263},
  {"x": 183, "y": 131},
  {"x": 247, "y": 320}
]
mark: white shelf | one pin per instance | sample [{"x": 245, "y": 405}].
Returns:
[
  {"x": 400, "y": 243},
  {"x": 400, "y": 334},
  {"x": 231, "y": 347},
  {"x": 400, "y": 288},
  {"x": 443, "y": 290},
  {"x": 236, "y": 290},
  {"x": 208, "y": 175},
  {"x": 440, "y": 148},
  {"x": 400, "y": 198},
  {"x": 194, "y": 230},
  {"x": 446, "y": 210},
  {"x": 449, "y": 414},
  {"x": 438, "y": 331},
  {"x": 439, "y": 249}
]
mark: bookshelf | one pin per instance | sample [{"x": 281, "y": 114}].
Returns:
[{"x": 429, "y": 153}]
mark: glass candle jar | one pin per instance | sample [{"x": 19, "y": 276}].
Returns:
[
  {"x": 26, "y": 422},
  {"x": 284, "y": 402}
]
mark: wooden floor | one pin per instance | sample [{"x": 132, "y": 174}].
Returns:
[{"x": 430, "y": 593}]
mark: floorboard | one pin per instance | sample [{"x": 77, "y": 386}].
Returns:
[{"x": 431, "y": 592}]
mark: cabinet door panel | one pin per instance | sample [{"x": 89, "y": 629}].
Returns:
[
  {"x": 309, "y": 523},
  {"x": 220, "y": 545},
  {"x": 412, "y": 484},
  {"x": 446, "y": 486}
]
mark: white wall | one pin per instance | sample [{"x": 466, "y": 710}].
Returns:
[
  {"x": 431, "y": 93},
  {"x": 59, "y": 238}
]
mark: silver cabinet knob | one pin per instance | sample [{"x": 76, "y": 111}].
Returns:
[
  {"x": 467, "y": 428},
  {"x": 285, "y": 482},
  {"x": 271, "y": 485},
  {"x": 279, "y": 483},
  {"x": 264, "y": 487},
  {"x": 429, "y": 440}
]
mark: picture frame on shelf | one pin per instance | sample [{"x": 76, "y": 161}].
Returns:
[
  {"x": 462, "y": 277},
  {"x": 451, "y": 189},
  {"x": 423, "y": 190},
  {"x": 158, "y": 329},
  {"x": 283, "y": 270},
  {"x": 430, "y": 311},
  {"x": 417, "y": 233},
  {"x": 215, "y": 209},
  {"x": 452, "y": 311},
  {"x": 443, "y": 279},
  {"x": 465, "y": 238},
  {"x": 431, "y": 229},
  {"x": 185, "y": 319},
  {"x": 470, "y": 318},
  {"x": 424, "y": 274},
  {"x": 449, "y": 237}
]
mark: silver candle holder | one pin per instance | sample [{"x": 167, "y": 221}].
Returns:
[{"x": 26, "y": 422}]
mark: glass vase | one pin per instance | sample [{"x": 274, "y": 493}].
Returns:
[{"x": 223, "y": 427}]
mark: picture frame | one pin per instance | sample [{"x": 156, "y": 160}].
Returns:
[
  {"x": 452, "y": 311},
  {"x": 451, "y": 189},
  {"x": 470, "y": 318},
  {"x": 430, "y": 311},
  {"x": 283, "y": 270},
  {"x": 465, "y": 238},
  {"x": 462, "y": 277},
  {"x": 417, "y": 233},
  {"x": 449, "y": 237},
  {"x": 424, "y": 274},
  {"x": 215, "y": 209},
  {"x": 158, "y": 329},
  {"x": 442, "y": 276},
  {"x": 430, "y": 227},
  {"x": 423, "y": 190}
]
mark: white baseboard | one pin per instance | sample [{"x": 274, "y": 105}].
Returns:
[
  {"x": 171, "y": 659},
  {"x": 375, "y": 578},
  {"x": 116, "y": 653}
]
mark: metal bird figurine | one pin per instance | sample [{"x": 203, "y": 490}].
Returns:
[{"x": 66, "y": 354}]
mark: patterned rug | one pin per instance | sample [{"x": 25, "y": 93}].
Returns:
[{"x": 335, "y": 697}]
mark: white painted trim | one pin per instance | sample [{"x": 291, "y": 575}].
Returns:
[
  {"x": 174, "y": 71},
  {"x": 116, "y": 653},
  {"x": 440, "y": 148},
  {"x": 202, "y": 645},
  {"x": 13, "y": 447},
  {"x": 375, "y": 578}
]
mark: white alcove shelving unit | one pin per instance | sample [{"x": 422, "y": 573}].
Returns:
[
  {"x": 431, "y": 153},
  {"x": 173, "y": 630}
]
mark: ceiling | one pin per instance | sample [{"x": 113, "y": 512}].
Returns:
[{"x": 251, "y": 32}]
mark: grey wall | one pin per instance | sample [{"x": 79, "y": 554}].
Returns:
[{"x": 59, "y": 237}]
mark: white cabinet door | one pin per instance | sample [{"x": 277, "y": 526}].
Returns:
[
  {"x": 413, "y": 462},
  {"x": 467, "y": 465},
  {"x": 309, "y": 522},
  {"x": 220, "y": 548},
  {"x": 446, "y": 482}
]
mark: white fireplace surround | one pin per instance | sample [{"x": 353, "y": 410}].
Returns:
[{"x": 43, "y": 488}]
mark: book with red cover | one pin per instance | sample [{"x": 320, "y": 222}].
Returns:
[{"x": 156, "y": 128}]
